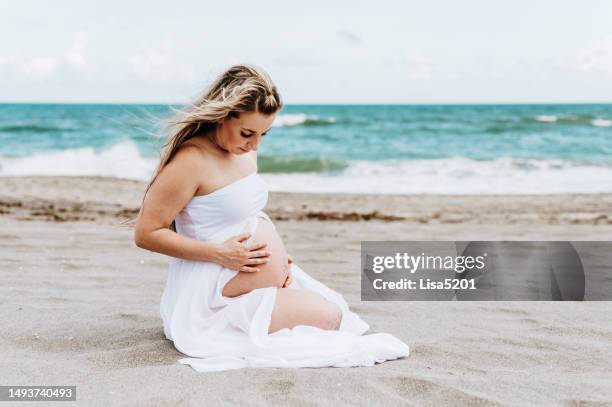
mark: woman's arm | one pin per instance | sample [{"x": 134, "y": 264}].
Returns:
[
  {"x": 172, "y": 244},
  {"x": 174, "y": 187}
]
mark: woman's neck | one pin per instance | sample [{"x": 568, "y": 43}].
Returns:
[{"x": 210, "y": 141}]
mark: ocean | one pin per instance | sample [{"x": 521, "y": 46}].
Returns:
[{"x": 382, "y": 149}]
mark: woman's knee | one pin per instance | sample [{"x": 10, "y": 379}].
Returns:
[
  {"x": 332, "y": 317},
  {"x": 328, "y": 317}
]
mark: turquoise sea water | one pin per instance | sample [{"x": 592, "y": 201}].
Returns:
[{"x": 389, "y": 149}]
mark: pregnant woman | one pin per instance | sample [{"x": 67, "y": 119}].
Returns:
[{"x": 234, "y": 298}]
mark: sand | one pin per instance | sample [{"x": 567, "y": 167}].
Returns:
[{"x": 80, "y": 303}]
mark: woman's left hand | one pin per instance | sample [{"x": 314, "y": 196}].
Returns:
[{"x": 289, "y": 279}]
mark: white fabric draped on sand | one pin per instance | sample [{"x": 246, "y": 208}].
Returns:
[{"x": 223, "y": 333}]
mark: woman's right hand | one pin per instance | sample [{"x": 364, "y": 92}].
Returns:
[{"x": 236, "y": 255}]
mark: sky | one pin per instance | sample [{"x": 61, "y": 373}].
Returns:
[{"x": 469, "y": 51}]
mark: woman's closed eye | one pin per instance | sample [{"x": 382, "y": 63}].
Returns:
[{"x": 247, "y": 135}]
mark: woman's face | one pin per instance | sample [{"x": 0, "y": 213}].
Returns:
[{"x": 242, "y": 134}]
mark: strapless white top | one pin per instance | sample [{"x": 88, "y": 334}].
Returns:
[
  {"x": 222, "y": 333},
  {"x": 210, "y": 217}
]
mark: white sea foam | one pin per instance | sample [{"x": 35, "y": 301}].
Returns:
[
  {"x": 453, "y": 176},
  {"x": 601, "y": 123},
  {"x": 296, "y": 119},
  {"x": 285, "y": 120},
  {"x": 547, "y": 118},
  {"x": 444, "y": 176},
  {"x": 122, "y": 160}
]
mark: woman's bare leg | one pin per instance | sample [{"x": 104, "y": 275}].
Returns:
[{"x": 300, "y": 307}]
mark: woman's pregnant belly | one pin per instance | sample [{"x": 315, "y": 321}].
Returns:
[{"x": 271, "y": 274}]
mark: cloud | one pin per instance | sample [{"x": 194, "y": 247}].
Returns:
[
  {"x": 75, "y": 54},
  {"x": 45, "y": 67},
  {"x": 160, "y": 63},
  {"x": 350, "y": 37},
  {"x": 6, "y": 61},
  {"x": 41, "y": 67},
  {"x": 596, "y": 59}
]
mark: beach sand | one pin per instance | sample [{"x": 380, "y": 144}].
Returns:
[{"x": 80, "y": 303}]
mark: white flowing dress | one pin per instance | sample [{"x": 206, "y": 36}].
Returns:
[{"x": 223, "y": 333}]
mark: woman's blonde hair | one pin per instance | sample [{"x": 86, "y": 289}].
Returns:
[{"x": 241, "y": 88}]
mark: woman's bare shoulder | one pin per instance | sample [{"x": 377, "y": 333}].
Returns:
[
  {"x": 208, "y": 169},
  {"x": 186, "y": 159},
  {"x": 173, "y": 187},
  {"x": 193, "y": 155},
  {"x": 202, "y": 165}
]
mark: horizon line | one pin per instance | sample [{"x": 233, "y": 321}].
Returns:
[{"x": 323, "y": 103}]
